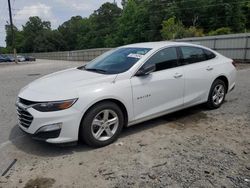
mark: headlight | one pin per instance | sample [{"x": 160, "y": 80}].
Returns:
[{"x": 54, "y": 106}]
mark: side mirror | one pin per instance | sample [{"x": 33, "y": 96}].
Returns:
[{"x": 146, "y": 70}]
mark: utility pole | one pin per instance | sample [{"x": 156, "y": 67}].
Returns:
[{"x": 12, "y": 32}]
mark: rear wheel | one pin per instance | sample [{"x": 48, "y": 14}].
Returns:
[
  {"x": 102, "y": 124},
  {"x": 217, "y": 94}
]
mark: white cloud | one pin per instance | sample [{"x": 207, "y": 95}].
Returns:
[
  {"x": 81, "y": 5},
  {"x": 77, "y": 5},
  {"x": 39, "y": 9},
  {"x": 55, "y": 11}
]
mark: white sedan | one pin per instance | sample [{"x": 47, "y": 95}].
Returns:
[
  {"x": 20, "y": 58},
  {"x": 123, "y": 87}
]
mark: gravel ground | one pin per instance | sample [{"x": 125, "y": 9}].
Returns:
[{"x": 191, "y": 148}]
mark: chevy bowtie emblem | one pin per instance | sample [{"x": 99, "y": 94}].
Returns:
[{"x": 22, "y": 106}]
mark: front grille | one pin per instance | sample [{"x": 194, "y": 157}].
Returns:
[{"x": 24, "y": 117}]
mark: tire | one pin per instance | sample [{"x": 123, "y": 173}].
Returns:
[
  {"x": 213, "y": 102},
  {"x": 108, "y": 130}
]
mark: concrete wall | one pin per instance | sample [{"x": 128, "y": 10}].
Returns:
[
  {"x": 235, "y": 46},
  {"x": 78, "y": 55}
]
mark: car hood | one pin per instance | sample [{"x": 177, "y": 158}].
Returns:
[{"x": 62, "y": 85}]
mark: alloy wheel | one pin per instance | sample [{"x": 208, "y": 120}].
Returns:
[
  {"x": 104, "y": 125},
  {"x": 218, "y": 94}
]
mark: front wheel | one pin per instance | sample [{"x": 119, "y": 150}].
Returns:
[
  {"x": 217, "y": 94},
  {"x": 102, "y": 124}
]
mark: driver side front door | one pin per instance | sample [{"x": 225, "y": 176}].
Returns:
[{"x": 161, "y": 91}]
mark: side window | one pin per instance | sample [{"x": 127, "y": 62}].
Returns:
[
  {"x": 192, "y": 55},
  {"x": 164, "y": 59},
  {"x": 209, "y": 54}
]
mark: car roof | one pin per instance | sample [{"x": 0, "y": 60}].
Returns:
[{"x": 157, "y": 45}]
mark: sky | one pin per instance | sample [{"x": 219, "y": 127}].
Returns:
[{"x": 55, "y": 11}]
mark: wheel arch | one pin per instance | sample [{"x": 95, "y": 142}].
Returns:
[
  {"x": 224, "y": 79},
  {"x": 116, "y": 101}
]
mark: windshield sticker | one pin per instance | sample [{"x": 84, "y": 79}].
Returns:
[{"x": 137, "y": 56}]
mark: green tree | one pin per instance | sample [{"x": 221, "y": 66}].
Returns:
[
  {"x": 8, "y": 38},
  {"x": 56, "y": 38},
  {"x": 220, "y": 31},
  {"x": 124, "y": 3},
  {"x": 138, "y": 21},
  {"x": 225, "y": 13},
  {"x": 193, "y": 32},
  {"x": 18, "y": 35},
  {"x": 104, "y": 23},
  {"x": 156, "y": 12},
  {"x": 132, "y": 24},
  {"x": 96, "y": 31},
  {"x": 172, "y": 29},
  {"x": 70, "y": 30},
  {"x": 190, "y": 12},
  {"x": 86, "y": 35},
  {"x": 3, "y": 50},
  {"x": 246, "y": 12},
  {"x": 49, "y": 41},
  {"x": 32, "y": 31}
]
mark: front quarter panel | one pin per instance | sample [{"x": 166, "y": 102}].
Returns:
[{"x": 119, "y": 90}]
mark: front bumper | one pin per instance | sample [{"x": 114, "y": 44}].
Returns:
[
  {"x": 231, "y": 88},
  {"x": 43, "y": 136},
  {"x": 69, "y": 121}
]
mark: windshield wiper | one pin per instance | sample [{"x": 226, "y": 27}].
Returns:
[{"x": 95, "y": 70}]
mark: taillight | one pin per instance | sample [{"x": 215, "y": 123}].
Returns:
[{"x": 234, "y": 63}]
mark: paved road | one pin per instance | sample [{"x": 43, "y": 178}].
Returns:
[
  {"x": 186, "y": 143},
  {"x": 12, "y": 79}
]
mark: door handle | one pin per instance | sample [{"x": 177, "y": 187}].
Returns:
[
  {"x": 209, "y": 68},
  {"x": 178, "y": 75}
]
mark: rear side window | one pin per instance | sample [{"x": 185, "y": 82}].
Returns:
[
  {"x": 164, "y": 59},
  {"x": 209, "y": 54},
  {"x": 192, "y": 55}
]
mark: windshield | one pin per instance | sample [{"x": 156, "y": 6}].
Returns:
[{"x": 116, "y": 61}]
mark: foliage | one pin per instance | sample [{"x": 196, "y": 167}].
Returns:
[
  {"x": 132, "y": 25},
  {"x": 3, "y": 50},
  {"x": 172, "y": 29},
  {"x": 33, "y": 32},
  {"x": 70, "y": 30},
  {"x": 137, "y": 21},
  {"x": 194, "y": 32},
  {"x": 220, "y": 31}
]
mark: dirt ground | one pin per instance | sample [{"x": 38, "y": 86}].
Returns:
[{"x": 195, "y": 147}]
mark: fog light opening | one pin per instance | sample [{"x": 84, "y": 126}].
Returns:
[{"x": 50, "y": 127}]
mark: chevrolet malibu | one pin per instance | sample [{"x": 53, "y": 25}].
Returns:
[{"x": 123, "y": 87}]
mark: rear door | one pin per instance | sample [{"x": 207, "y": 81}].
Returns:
[
  {"x": 198, "y": 68},
  {"x": 161, "y": 90}
]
